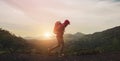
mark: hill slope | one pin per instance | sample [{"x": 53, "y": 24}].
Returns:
[
  {"x": 9, "y": 43},
  {"x": 105, "y": 41}
]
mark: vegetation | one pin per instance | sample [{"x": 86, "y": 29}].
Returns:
[
  {"x": 99, "y": 42},
  {"x": 75, "y": 44},
  {"x": 9, "y": 43}
]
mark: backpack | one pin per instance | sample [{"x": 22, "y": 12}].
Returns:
[{"x": 57, "y": 27}]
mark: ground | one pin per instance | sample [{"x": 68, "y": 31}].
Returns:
[{"x": 38, "y": 57}]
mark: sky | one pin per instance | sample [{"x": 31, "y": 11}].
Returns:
[{"x": 35, "y": 17}]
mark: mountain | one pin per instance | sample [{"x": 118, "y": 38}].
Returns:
[
  {"x": 75, "y": 37},
  {"x": 79, "y": 35},
  {"x": 75, "y": 44},
  {"x": 9, "y": 43},
  {"x": 105, "y": 41},
  {"x": 79, "y": 43}
]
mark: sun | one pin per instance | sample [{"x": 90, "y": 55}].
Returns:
[{"x": 47, "y": 35}]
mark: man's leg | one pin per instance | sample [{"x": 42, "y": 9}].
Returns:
[
  {"x": 58, "y": 45},
  {"x": 61, "y": 41},
  {"x": 62, "y": 47},
  {"x": 54, "y": 47}
]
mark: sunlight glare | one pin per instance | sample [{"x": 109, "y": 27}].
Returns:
[{"x": 47, "y": 35}]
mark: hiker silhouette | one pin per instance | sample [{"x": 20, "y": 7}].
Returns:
[{"x": 59, "y": 29}]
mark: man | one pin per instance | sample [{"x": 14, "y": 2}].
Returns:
[{"x": 59, "y": 29}]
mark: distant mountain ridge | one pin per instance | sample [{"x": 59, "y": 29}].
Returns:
[
  {"x": 107, "y": 40},
  {"x": 78, "y": 43}
]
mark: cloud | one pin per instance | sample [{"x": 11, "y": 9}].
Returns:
[
  {"x": 86, "y": 16},
  {"x": 117, "y": 0},
  {"x": 15, "y": 20},
  {"x": 111, "y": 0}
]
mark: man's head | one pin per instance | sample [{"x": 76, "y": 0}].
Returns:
[{"x": 66, "y": 22}]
